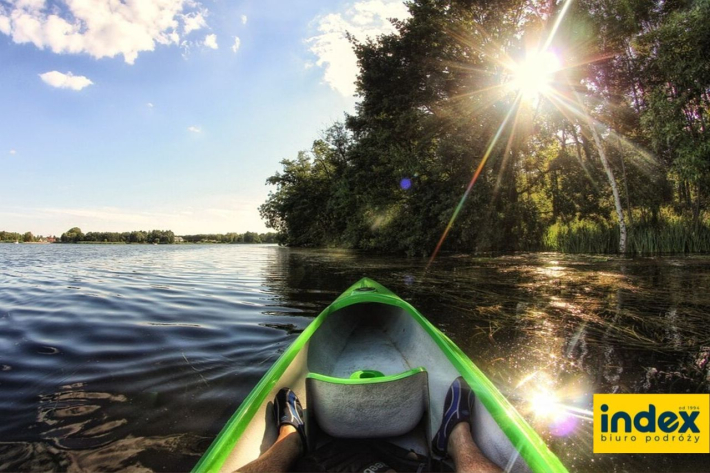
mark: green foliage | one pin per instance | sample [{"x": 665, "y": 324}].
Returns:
[
  {"x": 27, "y": 237},
  {"x": 670, "y": 234},
  {"x": 305, "y": 210},
  {"x": 73, "y": 235},
  {"x": 429, "y": 109},
  {"x": 137, "y": 237},
  {"x": 248, "y": 237},
  {"x": 582, "y": 236},
  {"x": 163, "y": 237},
  {"x": 675, "y": 120},
  {"x": 10, "y": 236}
]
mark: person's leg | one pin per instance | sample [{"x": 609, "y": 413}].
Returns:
[
  {"x": 291, "y": 442},
  {"x": 466, "y": 454},
  {"x": 281, "y": 455},
  {"x": 454, "y": 434}
]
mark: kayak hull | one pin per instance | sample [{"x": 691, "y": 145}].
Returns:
[{"x": 370, "y": 328}]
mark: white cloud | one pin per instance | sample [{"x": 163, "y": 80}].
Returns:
[
  {"x": 207, "y": 214},
  {"x": 184, "y": 214},
  {"x": 237, "y": 43},
  {"x": 100, "y": 28},
  {"x": 5, "y": 27},
  {"x": 150, "y": 105},
  {"x": 366, "y": 18},
  {"x": 12, "y": 151},
  {"x": 65, "y": 81},
  {"x": 211, "y": 41},
  {"x": 244, "y": 19},
  {"x": 194, "y": 129},
  {"x": 193, "y": 21},
  {"x": 29, "y": 4}
]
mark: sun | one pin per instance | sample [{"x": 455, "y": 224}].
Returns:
[
  {"x": 534, "y": 76},
  {"x": 544, "y": 405}
]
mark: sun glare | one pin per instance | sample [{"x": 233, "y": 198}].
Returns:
[
  {"x": 544, "y": 405},
  {"x": 534, "y": 75}
]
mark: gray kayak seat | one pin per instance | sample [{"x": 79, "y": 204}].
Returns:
[{"x": 368, "y": 407}]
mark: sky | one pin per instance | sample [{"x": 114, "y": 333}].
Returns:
[{"x": 122, "y": 115}]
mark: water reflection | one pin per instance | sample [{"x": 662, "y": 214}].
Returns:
[
  {"x": 134, "y": 357},
  {"x": 84, "y": 431},
  {"x": 74, "y": 417}
]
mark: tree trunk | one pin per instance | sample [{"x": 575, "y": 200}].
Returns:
[
  {"x": 614, "y": 187},
  {"x": 555, "y": 192},
  {"x": 630, "y": 215}
]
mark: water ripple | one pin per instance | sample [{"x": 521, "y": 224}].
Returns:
[{"x": 133, "y": 357}]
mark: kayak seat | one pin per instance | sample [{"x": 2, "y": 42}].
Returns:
[{"x": 368, "y": 407}]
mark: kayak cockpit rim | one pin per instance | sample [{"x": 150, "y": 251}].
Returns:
[{"x": 528, "y": 443}]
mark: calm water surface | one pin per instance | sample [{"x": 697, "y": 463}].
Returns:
[{"x": 115, "y": 357}]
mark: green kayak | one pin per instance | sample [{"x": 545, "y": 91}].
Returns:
[{"x": 370, "y": 349}]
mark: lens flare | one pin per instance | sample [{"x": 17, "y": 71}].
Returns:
[
  {"x": 458, "y": 208},
  {"x": 564, "y": 425},
  {"x": 545, "y": 405},
  {"x": 535, "y": 75},
  {"x": 530, "y": 80},
  {"x": 555, "y": 409}
]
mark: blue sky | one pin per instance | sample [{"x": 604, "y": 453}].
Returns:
[{"x": 143, "y": 114}]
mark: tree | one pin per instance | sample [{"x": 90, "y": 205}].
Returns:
[
  {"x": 302, "y": 210},
  {"x": 435, "y": 105},
  {"x": 72, "y": 235},
  {"x": 251, "y": 237},
  {"x": 614, "y": 186},
  {"x": 677, "y": 67},
  {"x": 137, "y": 237}
]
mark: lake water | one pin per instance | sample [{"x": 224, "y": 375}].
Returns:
[{"x": 115, "y": 357}]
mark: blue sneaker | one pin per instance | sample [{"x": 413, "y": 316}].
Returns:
[
  {"x": 288, "y": 410},
  {"x": 458, "y": 407}
]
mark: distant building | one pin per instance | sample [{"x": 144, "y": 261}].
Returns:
[{"x": 179, "y": 239}]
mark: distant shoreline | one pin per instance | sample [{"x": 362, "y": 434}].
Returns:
[
  {"x": 124, "y": 243},
  {"x": 161, "y": 237}
]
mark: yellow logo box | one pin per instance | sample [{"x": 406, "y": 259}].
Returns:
[{"x": 651, "y": 423}]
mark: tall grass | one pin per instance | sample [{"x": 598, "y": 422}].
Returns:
[
  {"x": 670, "y": 235},
  {"x": 581, "y": 236}
]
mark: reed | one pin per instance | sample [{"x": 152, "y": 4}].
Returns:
[
  {"x": 669, "y": 235},
  {"x": 581, "y": 236}
]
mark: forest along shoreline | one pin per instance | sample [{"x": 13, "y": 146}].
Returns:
[
  {"x": 161, "y": 237},
  {"x": 612, "y": 159}
]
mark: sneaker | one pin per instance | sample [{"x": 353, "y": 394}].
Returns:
[
  {"x": 288, "y": 410},
  {"x": 458, "y": 407}
]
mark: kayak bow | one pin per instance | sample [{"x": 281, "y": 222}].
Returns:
[{"x": 366, "y": 339}]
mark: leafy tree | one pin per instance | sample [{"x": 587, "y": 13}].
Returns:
[
  {"x": 250, "y": 237},
  {"x": 432, "y": 101},
  {"x": 73, "y": 235},
  {"x": 137, "y": 237},
  {"x": 301, "y": 209},
  {"x": 677, "y": 55}
]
